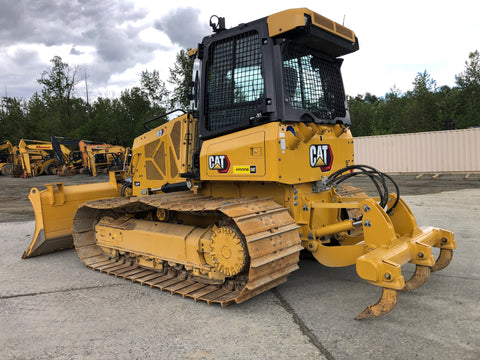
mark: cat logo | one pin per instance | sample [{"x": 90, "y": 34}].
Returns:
[
  {"x": 321, "y": 156},
  {"x": 219, "y": 163}
]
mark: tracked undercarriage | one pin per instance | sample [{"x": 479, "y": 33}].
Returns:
[
  {"x": 215, "y": 250},
  {"x": 268, "y": 120}
]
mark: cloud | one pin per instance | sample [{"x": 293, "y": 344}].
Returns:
[
  {"x": 111, "y": 28},
  {"x": 21, "y": 71},
  {"x": 183, "y": 27},
  {"x": 74, "y": 51},
  {"x": 116, "y": 39},
  {"x": 62, "y": 22}
]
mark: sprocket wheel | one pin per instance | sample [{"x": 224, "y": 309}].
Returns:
[{"x": 228, "y": 251}]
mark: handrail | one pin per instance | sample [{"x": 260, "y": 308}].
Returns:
[{"x": 161, "y": 116}]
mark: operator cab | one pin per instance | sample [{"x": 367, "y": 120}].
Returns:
[{"x": 285, "y": 67}]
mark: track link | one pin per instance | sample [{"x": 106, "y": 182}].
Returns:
[{"x": 270, "y": 232}]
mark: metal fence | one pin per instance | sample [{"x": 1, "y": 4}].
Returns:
[{"x": 428, "y": 152}]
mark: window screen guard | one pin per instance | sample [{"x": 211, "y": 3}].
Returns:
[
  {"x": 235, "y": 84},
  {"x": 313, "y": 83}
]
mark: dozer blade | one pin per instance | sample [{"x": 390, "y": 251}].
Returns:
[{"x": 54, "y": 210}]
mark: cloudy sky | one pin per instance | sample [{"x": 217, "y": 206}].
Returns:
[{"x": 114, "y": 40}]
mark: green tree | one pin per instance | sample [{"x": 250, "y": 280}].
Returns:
[
  {"x": 180, "y": 77},
  {"x": 423, "y": 84},
  {"x": 136, "y": 110},
  {"x": 361, "y": 111},
  {"x": 58, "y": 94},
  {"x": 468, "y": 99},
  {"x": 12, "y": 119},
  {"x": 420, "y": 110},
  {"x": 471, "y": 75},
  {"x": 60, "y": 80},
  {"x": 155, "y": 89},
  {"x": 41, "y": 125}
]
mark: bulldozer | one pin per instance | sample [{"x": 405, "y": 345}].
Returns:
[{"x": 218, "y": 203}]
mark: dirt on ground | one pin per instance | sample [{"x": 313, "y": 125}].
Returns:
[
  {"x": 14, "y": 192},
  {"x": 16, "y": 206}
]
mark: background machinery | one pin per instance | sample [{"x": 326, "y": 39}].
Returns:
[
  {"x": 68, "y": 161},
  {"x": 34, "y": 156},
  {"x": 98, "y": 158},
  {"x": 225, "y": 197},
  {"x": 7, "y": 153}
]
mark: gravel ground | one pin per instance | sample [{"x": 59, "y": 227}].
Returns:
[{"x": 53, "y": 307}]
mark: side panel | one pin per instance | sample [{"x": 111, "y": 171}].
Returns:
[
  {"x": 161, "y": 155},
  {"x": 239, "y": 155},
  {"x": 277, "y": 152}
]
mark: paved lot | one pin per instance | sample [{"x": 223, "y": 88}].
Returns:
[{"x": 54, "y": 307}]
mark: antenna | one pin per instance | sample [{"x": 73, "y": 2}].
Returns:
[{"x": 343, "y": 23}]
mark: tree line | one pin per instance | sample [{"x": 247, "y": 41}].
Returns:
[
  {"x": 425, "y": 108},
  {"x": 58, "y": 111}
]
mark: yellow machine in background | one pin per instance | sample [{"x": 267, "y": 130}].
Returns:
[
  {"x": 34, "y": 156},
  {"x": 99, "y": 158},
  {"x": 7, "y": 154},
  {"x": 224, "y": 198}
]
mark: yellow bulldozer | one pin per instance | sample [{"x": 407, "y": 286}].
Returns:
[{"x": 222, "y": 199}]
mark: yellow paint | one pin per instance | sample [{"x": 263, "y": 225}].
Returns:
[
  {"x": 288, "y": 20},
  {"x": 162, "y": 154},
  {"x": 269, "y": 156},
  {"x": 54, "y": 209}
]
